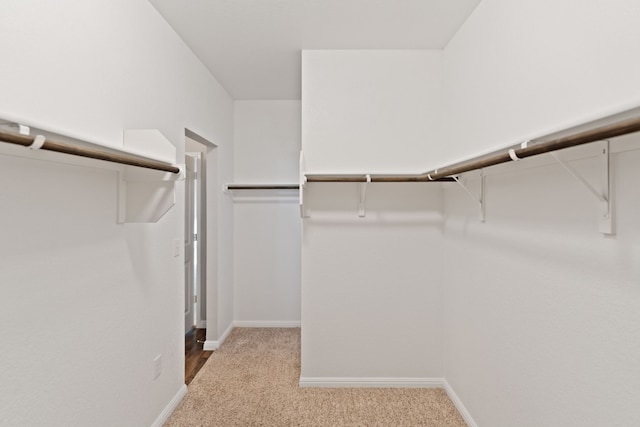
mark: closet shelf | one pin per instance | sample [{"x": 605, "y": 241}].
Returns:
[
  {"x": 144, "y": 164},
  {"x": 39, "y": 142},
  {"x": 373, "y": 178},
  {"x": 514, "y": 153},
  {"x": 597, "y": 131}
]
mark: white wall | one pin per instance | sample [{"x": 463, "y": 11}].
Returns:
[
  {"x": 371, "y": 111},
  {"x": 371, "y": 287},
  {"x": 86, "y": 304},
  {"x": 267, "y": 135},
  {"x": 540, "y": 310},
  {"x": 522, "y": 69},
  {"x": 266, "y": 223},
  {"x": 367, "y": 311}
]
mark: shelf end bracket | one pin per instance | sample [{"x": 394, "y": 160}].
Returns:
[
  {"x": 480, "y": 200},
  {"x": 603, "y": 196},
  {"x": 363, "y": 197}
]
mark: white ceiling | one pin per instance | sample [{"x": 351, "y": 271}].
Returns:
[{"x": 253, "y": 46}]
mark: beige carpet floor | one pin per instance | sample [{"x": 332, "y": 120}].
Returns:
[{"x": 252, "y": 380}]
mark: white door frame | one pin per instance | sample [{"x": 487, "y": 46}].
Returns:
[
  {"x": 191, "y": 262},
  {"x": 208, "y": 229}
]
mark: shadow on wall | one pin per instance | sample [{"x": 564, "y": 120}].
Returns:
[
  {"x": 384, "y": 202},
  {"x": 542, "y": 216}
]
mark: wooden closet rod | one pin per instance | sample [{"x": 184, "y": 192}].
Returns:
[
  {"x": 62, "y": 147},
  {"x": 516, "y": 152},
  {"x": 374, "y": 178},
  {"x": 263, "y": 187}
]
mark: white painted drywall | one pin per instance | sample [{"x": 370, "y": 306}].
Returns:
[
  {"x": 268, "y": 141},
  {"x": 253, "y": 47},
  {"x": 87, "y": 304},
  {"x": 371, "y": 111},
  {"x": 266, "y": 223},
  {"x": 540, "y": 310},
  {"x": 522, "y": 69},
  {"x": 371, "y": 287}
]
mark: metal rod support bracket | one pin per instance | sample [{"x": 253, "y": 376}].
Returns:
[
  {"x": 363, "y": 197},
  {"x": 303, "y": 184},
  {"x": 480, "y": 200},
  {"x": 603, "y": 196}
]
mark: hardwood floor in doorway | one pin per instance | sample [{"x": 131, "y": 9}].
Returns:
[{"x": 194, "y": 355}]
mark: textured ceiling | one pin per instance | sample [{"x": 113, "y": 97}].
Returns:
[{"x": 253, "y": 46}]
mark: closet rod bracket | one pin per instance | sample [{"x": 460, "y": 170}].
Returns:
[
  {"x": 363, "y": 197},
  {"x": 480, "y": 200},
  {"x": 603, "y": 192},
  {"x": 303, "y": 184}
]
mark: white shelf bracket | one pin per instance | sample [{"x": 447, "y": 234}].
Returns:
[
  {"x": 145, "y": 196},
  {"x": 482, "y": 196},
  {"x": 480, "y": 200},
  {"x": 122, "y": 198},
  {"x": 303, "y": 183},
  {"x": 602, "y": 196},
  {"x": 363, "y": 197}
]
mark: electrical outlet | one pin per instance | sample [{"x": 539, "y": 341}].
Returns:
[{"x": 157, "y": 366}]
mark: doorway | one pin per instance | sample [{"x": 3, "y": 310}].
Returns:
[
  {"x": 201, "y": 248},
  {"x": 192, "y": 261},
  {"x": 201, "y": 231}
]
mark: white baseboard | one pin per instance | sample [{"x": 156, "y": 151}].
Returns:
[
  {"x": 459, "y": 405},
  {"x": 226, "y": 333},
  {"x": 210, "y": 345},
  {"x": 267, "y": 323},
  {"x": 201, "y": 324},
  {"x": 336, "y": 382},
  {"x": 171, "y": 406}
]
